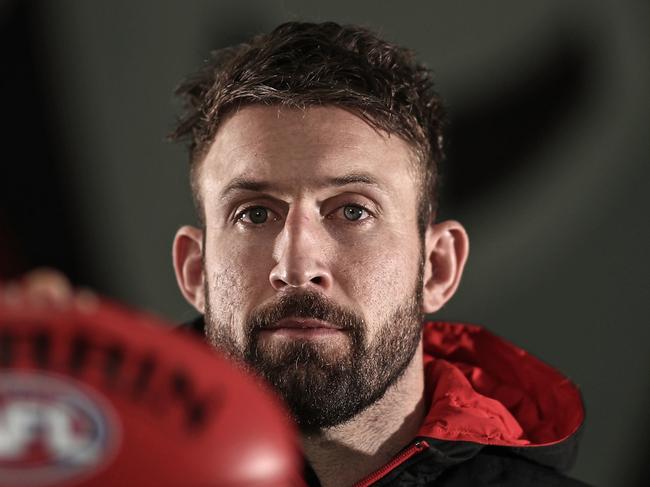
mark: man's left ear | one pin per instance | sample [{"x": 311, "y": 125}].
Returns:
[{"x": 446, "y": 248}]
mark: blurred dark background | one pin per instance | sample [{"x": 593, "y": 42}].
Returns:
[{"x": 548, "y": 167}]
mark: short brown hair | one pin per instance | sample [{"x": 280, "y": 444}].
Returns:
[{"x": 304, "y": 64}]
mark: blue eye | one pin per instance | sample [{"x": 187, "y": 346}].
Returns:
[
  {"x": 352, "y": 212},
  {"x": 256, "y": 214}
]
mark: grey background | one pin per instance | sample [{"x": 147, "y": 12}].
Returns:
[{"x": 558, "y": 261}]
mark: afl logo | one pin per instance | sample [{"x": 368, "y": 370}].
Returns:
[{"x": 52, "y": 429}]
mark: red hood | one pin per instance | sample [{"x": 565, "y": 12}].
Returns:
[{"x": 482, "y": 389}]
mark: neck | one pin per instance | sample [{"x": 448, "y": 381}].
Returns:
[{"x": 373, "y": 437}]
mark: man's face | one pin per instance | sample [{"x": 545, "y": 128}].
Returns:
[{"x": 312, "y": 256}]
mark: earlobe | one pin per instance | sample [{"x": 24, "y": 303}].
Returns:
[
  {"x": 187, "y": 254},
  {"x": 446, "y": 251}
]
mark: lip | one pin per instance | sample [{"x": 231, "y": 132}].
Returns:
[{"x": 304, "y": 324}]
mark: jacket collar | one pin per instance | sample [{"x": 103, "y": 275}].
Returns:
[{"x": 484, "y": 390}]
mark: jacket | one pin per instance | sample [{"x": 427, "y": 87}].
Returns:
[{"x": 497, "y": 416}]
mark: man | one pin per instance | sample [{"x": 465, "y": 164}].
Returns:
[{"x": 314, "y": 155}]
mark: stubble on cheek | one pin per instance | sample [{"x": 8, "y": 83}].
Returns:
[
  {"x": 385, "y": 281},
  {"x": 226, "y": 295}
]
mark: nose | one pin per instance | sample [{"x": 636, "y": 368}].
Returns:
[{"x": 299, "y": 253}]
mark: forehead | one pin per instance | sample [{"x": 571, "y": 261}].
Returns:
[{"x": 296, "y": 148}]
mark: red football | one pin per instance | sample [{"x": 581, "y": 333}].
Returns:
[{"x": 114, "y": 398}]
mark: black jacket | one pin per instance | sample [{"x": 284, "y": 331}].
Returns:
[{"x": 497, "y": 416}]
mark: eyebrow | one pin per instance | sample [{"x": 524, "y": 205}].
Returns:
[{"x": 246, "y": 184}]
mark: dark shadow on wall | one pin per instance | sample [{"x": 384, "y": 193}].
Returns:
[{"x": 492, "y": 138}]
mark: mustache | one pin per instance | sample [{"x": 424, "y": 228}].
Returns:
[{"x": 305, "y": 305}]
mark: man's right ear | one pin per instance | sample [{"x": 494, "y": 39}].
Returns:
[{"x": 187, "y": 254}]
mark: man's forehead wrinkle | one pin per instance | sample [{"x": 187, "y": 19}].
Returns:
[
  {"x": 245, "y": 184},
  {"x": 242, "y": 183},
  {"x": 354, "y": 178}
]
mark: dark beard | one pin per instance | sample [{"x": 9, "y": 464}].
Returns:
[{"x": 319, "y": 389}]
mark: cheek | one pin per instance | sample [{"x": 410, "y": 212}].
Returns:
[
  {"x": 237, "y": 275},
  {"x": 380, "y": 272}
]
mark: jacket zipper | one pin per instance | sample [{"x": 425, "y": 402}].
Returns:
[{"x": 411, "y": 451}]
